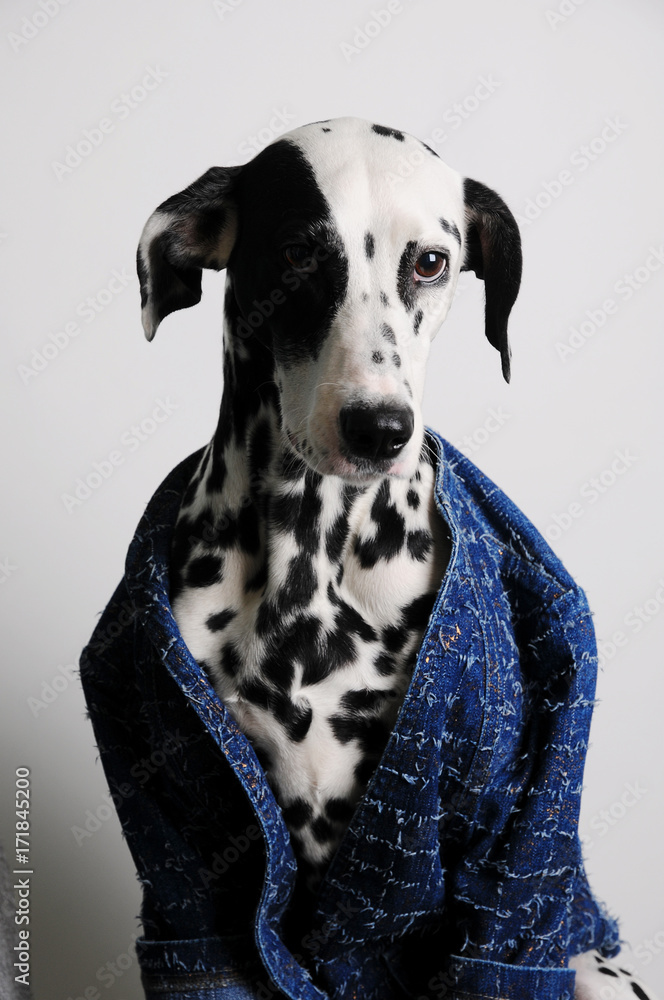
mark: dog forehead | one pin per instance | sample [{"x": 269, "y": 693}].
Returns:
[{"x": 370, "y": 169}]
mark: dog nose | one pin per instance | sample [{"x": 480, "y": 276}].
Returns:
[{"x": 376, "y": 431}]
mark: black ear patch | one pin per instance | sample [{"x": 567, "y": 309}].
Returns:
[
  {"x": 493, "y": 252},
  {"x": 189, "y": 231}
]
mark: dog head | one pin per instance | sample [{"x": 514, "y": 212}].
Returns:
[{"x": 343, "y": 242}]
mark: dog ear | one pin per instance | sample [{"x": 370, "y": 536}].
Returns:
[
  {"x": 189, "y": 231},
  {"x": 493, "y": 252}
]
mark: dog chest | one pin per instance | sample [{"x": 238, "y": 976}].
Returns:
[{"x": 310, "y": 631}]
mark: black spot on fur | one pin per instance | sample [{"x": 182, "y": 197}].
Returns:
[
  {"x": 339, "y": 810},
  {"x": 279, "y": 670},
  {"x": 300, "y": 585},
  {"x": 344, "y": 727},
  {"x": 383, "y": 130},
  {"x": 299, "y": 722},
  {"x": 279, "y": 176},
  {"x": 297, "y": 814},
  {"x": 604, "y": 969},
  {"x": 384, "y": 664},
  {"x": 450, "y": 228},
  {"x": 290, "y": 466},
  {"x": 230, "y": 660},
  {"x": 396, "y": 360},
  {"x": 416, "y": 614},
  {"x": 363, "y": 700},
  {"x": 336, "y": 537},
  {"x": 203, "y": 571},
  {"x": 413, "y": 499},
  {"x": 248, "y": 537},
  {"x": 636, "y": 989},
  {"x": 419, "y": 544},
  {"x": 390, "y": 532},
  {"x": 334, "y": 650},
  {"x": 369, "y": 245},
  {"x": 384, "y": 299},
  {"x": 268, "y": 618},
  {"x": 350, "y": 620},
  {"x": 387, "y": 333},
  {"x": 295, "y": 644},
  {"x": 417, "y": 319},
  {"x": 258, "y": 580},
  {"x": 190, "y": 492},
  {"x": 394, "y": 638},
  {"x": 430, "y": 150},
  {"x": 369, "y": 732},
  {"x": 377, "y": 358},
  {"x": 299, "y": 513},
  {"x": 220, "y": 620},
  {"x": 256, "y": 692},
  {"x": 322, "y": 830},
  {"x": 405, "y": 283}
]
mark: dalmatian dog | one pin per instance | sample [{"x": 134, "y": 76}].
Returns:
[{"x": 308, "y": 550}]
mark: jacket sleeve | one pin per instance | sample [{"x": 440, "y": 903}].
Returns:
[
  {"x": 520, "y": 904},
  {"x": 196, "y": 846}
]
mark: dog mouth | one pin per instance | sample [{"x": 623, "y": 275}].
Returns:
[{"x": 340, "y": 462}]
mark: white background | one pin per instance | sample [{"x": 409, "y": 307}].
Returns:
[{"x": 532, "y": 91}]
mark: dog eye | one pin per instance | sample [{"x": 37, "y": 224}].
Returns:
[
  {"x": 429, "y": 266},
  {"x": 300, "y": 257}
]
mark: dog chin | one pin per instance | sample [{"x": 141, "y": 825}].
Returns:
[{"x": 361, "y": 472}]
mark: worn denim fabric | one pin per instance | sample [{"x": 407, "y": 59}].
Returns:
[{"x": 461, "y": 872}]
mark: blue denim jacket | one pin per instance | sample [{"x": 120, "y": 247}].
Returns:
[{"x": 461, "y": 872}]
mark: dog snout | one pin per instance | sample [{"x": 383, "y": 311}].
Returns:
[{"x": 375, "y": 432}]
